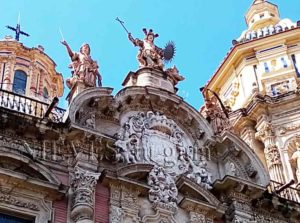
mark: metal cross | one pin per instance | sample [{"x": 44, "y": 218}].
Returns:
[{"x": 17, "y": 30}]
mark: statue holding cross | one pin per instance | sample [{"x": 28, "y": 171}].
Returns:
[{"x": 149, "y": 54}]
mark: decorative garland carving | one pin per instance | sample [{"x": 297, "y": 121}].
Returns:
[
  {"x": 8, "y": 199},
  {"x": 272, "y": 155},
  {"x": 163, "y": 189}
]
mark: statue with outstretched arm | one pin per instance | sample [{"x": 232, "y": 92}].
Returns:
[{"x": 84, "y": 68}]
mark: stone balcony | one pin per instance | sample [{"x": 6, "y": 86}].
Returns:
[{"x": 29, "y": 106}]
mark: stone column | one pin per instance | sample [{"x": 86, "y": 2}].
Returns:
[
  {"x": 266, "y": 134},
  {"x": 83, "y": 184}
]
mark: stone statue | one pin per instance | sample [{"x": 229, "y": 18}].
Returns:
[
  {"x": 215, "y": 115},
  {"x": 231, "y": 169},
  {"x": 296, "y": 157},
  {"x": 199, "y": 173},
  {"x": 90, "y": 122},
  {"x": 84, "y": 68},
  {"x": 149, "y": 55},
  {"x": 173, "y": 73}
]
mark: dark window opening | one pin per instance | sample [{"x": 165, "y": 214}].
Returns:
[
  {"x": 11, "y": 219},
  {"x": 267, "y": 70},
  {"x": 45, "y": 93},
  {"x": 295, "y": 65},
  {"x": 284, "y": 62},
  {"x": 19, "y": 84}
]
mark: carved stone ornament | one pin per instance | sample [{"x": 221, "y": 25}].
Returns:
[
  {"x": 200, "y": 174},
  {"x": 197, "y": 218},
  {"x": 83, "y": 184},
  {"x": 8, "y": 199},
  {"x": 154, "y": 139},
  {"x": 90, "y": 122},
  {"x": 115, "y": 215},
  {"x": 272, "y": 155},
  {"x": 163, "y": 191},
  {"x": 215, "y": 115}
]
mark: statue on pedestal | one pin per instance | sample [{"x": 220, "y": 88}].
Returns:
[
  {"x": 152, "y": 56},
  {"x": 149, "y": 54},
  {"x": 84, "y": 68}
]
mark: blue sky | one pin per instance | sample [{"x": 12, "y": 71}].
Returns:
[{"x": 202, "y": 31}]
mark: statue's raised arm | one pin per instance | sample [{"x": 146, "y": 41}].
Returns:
[
  {"x": 70, "y": 52},
  {"x": 136, "y": 42}
]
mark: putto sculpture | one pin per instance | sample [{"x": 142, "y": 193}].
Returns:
[{"x": 84, "y": 68}]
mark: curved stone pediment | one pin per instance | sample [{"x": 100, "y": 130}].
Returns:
[
  {"x": 95, "y": 109},
  {"x": 237, "y": 159},
  {"x": 12, "y": 163}
]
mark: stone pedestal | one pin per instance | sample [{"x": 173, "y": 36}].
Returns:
[
  {"x": 76, "y": 89},
  {"x": 149, "y": 77}
]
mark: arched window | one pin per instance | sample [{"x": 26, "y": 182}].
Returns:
[
  {"x": 45, "y": 93},
  {"x": 19, "y": 84}
]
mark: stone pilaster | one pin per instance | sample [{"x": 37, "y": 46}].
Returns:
[
  {"x": 123, "y": 204},
  {"x": 267, "y": 135},
  {"x": 34, "y": 72},
  {"x": 248, "y": 135},
  {"x": 8, "y": 77},
  {"x": 115, "y": 210},
  {"x": 83, "y": 184},
  {"x": 239, "y": 211}
]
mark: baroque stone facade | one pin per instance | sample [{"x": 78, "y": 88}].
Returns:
[
  {"x": 142, "y": 155},
  {"x": 259, "y": 80}
]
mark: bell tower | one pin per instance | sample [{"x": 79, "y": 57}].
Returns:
[{"x": 261, "y": 14}]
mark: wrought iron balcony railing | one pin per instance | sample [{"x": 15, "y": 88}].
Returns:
[
  {"x": 290, "y": 193},
  {"x": 22, "y": 104}
]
